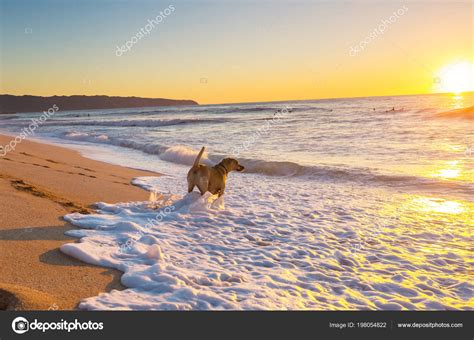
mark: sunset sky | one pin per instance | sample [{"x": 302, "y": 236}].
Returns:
[{"x": 230, "y": 51}]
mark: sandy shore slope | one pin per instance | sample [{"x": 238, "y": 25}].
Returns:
[{"x": 40, "y": 183}]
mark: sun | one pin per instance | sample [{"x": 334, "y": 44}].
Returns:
[{"x": 455, "y": 78}]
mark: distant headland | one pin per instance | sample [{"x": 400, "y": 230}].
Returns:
[{"x": 14, "y": 104}]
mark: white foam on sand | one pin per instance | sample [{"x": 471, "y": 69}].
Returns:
[{"x": 268, "y": 246}]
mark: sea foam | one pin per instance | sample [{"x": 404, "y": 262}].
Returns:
[{"x": 261, "y": 249}]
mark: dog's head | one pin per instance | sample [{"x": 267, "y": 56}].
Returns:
[{"x": 232, "y": 164}]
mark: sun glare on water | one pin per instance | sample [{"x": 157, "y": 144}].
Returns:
[
  {"x": 456, "y": 78},
  {"x": 430, "y": 204},
  {"x": 447, "y": 170}
]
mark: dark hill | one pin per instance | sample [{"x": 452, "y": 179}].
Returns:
[{"x": 12, "y": 104}]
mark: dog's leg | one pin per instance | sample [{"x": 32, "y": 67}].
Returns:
[
  {"x": 221, "y": 190},
  {"x": 203, "y": 185},
  {"x": 202, "y": 189}
]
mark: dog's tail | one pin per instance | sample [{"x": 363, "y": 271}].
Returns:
[{"x": 198, "y": 158}]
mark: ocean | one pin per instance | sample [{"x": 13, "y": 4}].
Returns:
[{"x": 359, "y": 203}]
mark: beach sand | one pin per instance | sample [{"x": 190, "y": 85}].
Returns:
[{"x": 39, "y": 184}]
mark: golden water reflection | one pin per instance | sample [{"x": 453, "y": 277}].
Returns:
[
  {"x": 457, "y": 101},
  {"x": 451, "y": 170},
  {"x": 437, "y": 205}
]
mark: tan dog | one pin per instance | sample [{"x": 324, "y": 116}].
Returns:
[{"x": 211, "y": 179}]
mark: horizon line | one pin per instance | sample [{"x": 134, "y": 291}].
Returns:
[{"x": 249, "y": 102}]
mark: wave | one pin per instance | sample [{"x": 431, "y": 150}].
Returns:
[
  {"x": 8, "y": 116},
  {"x": 426, "y": 110},
  {"x": 135, "y": 123},
  {"x": 462, "y": 113},
  {"x": 363, "y": 176},
  {"x": 252, "y": 109},
  {"x": 121, "y": 123},
  {"x": 276, "y": 109},
  {"x": 184, "y": 155},
  {"x": 152, "y": 149}
]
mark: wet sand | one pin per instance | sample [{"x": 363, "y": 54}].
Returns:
[{"x": 39, "y": 184}]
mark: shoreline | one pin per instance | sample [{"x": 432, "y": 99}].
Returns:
[{"x": 42, "y": 183}]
